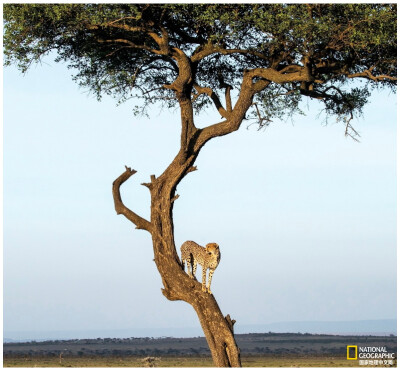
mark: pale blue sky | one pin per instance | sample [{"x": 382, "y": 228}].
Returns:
[{"x": 305, "y": 218}]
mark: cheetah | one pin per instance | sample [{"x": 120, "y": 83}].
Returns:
[{"x": 207, "y": 257}]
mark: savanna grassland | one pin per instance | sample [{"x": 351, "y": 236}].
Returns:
[
  {"x": 258, "y": 350},
  {"x": 178, "y": 361}
]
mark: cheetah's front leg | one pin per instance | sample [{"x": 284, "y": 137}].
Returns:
[
  {"x": 203, "y": 285},
  {"x": 210, "y": 275}
]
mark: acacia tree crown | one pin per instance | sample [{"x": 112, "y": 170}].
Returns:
[{"x": 295, "y": 50}]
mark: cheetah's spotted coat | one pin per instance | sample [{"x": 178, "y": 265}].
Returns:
[{"x": 207, "y": 257}]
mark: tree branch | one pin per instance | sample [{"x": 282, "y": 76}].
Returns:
[
  {"x": 234, "y": 119},
  {"x": 368, "y": 74},
  {"x": 214, "y": 97},
  {"x": 120, "y": 208},
  {"x": 279, "y": 77},
  {"x": 131, "y": 44},
  {"x": 148, "y": 31},
  {"x": 210, "y": 49},
  {"x": 228, "y": 88},
  {"x": 350, "y": 130},
  {"x": 230, "y": 322}
]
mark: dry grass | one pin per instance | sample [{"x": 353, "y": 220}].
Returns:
[{"x": 178, "y": 361}]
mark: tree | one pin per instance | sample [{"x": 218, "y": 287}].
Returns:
[{"x": 262, "y": 59}]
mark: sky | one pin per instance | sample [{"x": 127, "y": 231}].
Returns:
[{"x": 305, "y": 218}]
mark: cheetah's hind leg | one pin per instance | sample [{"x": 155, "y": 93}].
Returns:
[
  {"x": 189, "y": 267},
  {"x": 194, "y": 269}
]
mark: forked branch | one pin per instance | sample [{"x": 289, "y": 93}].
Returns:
[{"x": 120, "y": 207}]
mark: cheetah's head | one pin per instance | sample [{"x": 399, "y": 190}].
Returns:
[{"x": 212, "y": 249}]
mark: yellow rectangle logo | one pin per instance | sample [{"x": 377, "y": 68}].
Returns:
[{"x": 355, "y": 353}]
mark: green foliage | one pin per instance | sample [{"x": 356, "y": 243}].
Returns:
[{"x": 112, "y": 47}]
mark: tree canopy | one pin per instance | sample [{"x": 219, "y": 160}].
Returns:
[{"x": 290, "y": 51}]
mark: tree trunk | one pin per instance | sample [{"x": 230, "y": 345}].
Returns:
[
  {"x": 218, "y": 329},
  {"x": 178, "y": 285}
]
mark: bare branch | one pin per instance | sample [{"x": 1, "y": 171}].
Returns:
[
  {"x": 350, "y": 131},
  {"x": 191, "y": 169},
  {"x": 120, "y": 208},
  {"x": 261, "y": 119},
  {"x": 214, "y": 97},
  {"x": 174, "y": 198},
  {"x": 230, "y": 322},
  {"x": 228, "y": 99},
  {"x": 228, "y": 88}
]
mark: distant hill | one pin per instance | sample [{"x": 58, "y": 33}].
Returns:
[
  {"x": 369, "y": 327},
  {"x": 276, "y": 344},
  {"x": 361, "y": 327}
]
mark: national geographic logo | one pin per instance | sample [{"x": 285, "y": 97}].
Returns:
[
  {"x": 374, "y": 356},
  {"x": 352, "y": 352}
]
